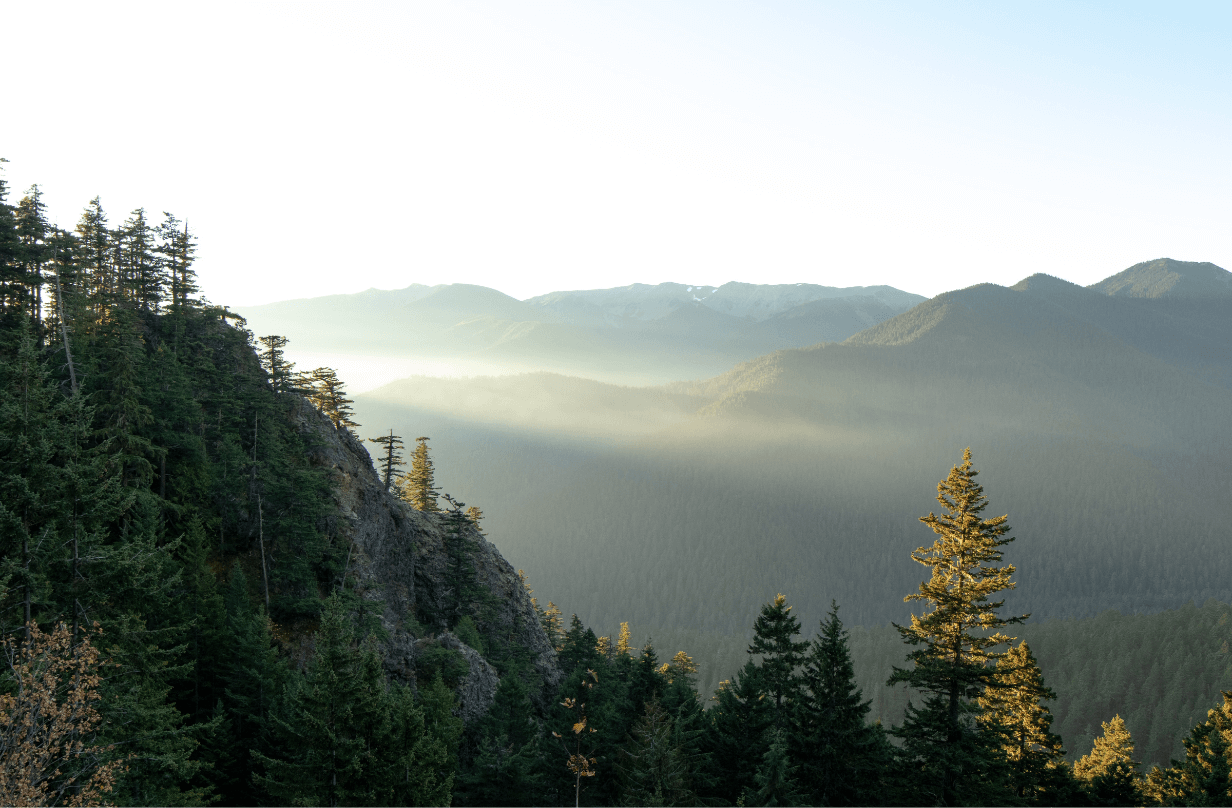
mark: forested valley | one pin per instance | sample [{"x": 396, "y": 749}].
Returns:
[{"x": 211, "y": 594}]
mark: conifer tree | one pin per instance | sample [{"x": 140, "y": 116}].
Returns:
[
  {"x": 842, "y": 757},
  {"x": 177, "y": 251},
  {"x": 1013, "y": 708},
  {"x": 652, "y": 768},
  {"x": 419, "y": 486},
  {"x": 775, "y": 780},
  {"x": 741, "y": 720},
  {"x": 390, "y": 459},
  {"x": 781, "y": 655},
  {"x": 954, "y": 639},
  {"x": 1204, "y": 777},
  {"x": 32, "y": 232},
  {"x": 554, "y": 626},
  {"x": 506, "y": 770},
  {"x": 474, "y": 514},
  {"x": 330, "y": 398},
  {"x": 1108, "y": 773},
  {"x": 273, "y": 359},
  {"x": 341, "y": 737},
  {"x": 624, "y": 641}
]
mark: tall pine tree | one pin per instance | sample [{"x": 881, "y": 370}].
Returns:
[{"x": 953, "y": 759}]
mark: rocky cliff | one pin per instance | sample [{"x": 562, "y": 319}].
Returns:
[{"x": 400, "y": 562}]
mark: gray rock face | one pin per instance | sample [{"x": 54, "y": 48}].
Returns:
[{"x": 399, "y": 559}]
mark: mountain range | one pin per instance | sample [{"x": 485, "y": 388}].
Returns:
[
  {"x": 637, "y": 334},
  {"x": 1100, "y": 418}
]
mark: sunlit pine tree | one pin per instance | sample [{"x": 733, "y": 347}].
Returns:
[
  {"x": 418, "y": 487},
  {"x": 955, "y": 640},
  {"x": 1013, "y": 706},
  {"x": 1109, "y": 772}
]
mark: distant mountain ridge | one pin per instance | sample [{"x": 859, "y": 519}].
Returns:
[{"x": 636, "y": 334}]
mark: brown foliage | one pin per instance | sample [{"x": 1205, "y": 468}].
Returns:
[{"x": 48, "y": 722}]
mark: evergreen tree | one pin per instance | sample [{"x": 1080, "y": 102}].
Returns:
[
  {"x": 740, "y": 723},
  {"x": 474, "y": 514},
  {"x": 1108, "y": 773},
  {"x": 956, "y": 762},
  {"x": 273, "y": 359},
  {"x": 1204, "y": 777},
  {"x": 141, "y": 274},
  {"x": 330, "y": 398},
  {"x": 340, "y": 737},
  {"x": 419, "y": 486},
  {"x": 33, "y": 231},
  {"x": 781, "y": 655},
  {"x": 1013, "y": 708},
  {"x": 505, "y": 769},
  {"x": 842, "y": 757},
  {"x": 553, "y": 626},
  {"x": 390, "y": 459},
  {"x": 775, "y": 781},
  {"x": 177, "y": 251},
  {"x": 652, "y": 768}
]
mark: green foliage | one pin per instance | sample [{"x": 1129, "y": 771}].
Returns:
[
  {"x": 956, "y": 760},
  {"x": 418, "y": 487},
  {"x": 1109, "y": 773},
  {"x": 1204, "y": 777},
  {"x": 342, "y": 736},
  {"x": 1013, "y": 708},
  {"x": 842, "y": 757},
  {"x": 653, "y": 769}
]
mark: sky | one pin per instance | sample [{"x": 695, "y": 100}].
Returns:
[{"x": 537, "y": 146}]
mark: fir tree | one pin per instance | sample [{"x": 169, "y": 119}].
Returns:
[
  {"x": 1108, "y": 773},
  {"x": 842, "y": 756},
  {"x": 390, "y": 459},
  {"x": 553, "y": 626},
  {"x": 775, "y": 781},
  {"x": 419, "y": 486},
  {"x": 954, "y": 638},
  {"x": 652, "y": 768},
  {"x": 740, "y": 723},
  {"x": 273, "y": 359},
  {"x": 1204, "y": 777},
  {"x": 506, "y": 770},
  {"x": 330, "y": 398},
  {"x": 781, "y": 655},
  {"x": 1013, "y": 708}
]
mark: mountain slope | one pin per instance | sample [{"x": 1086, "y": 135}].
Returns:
[{"x": 641, "y": 333}]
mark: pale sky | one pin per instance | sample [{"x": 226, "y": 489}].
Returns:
[{"x": 536, "y": 146}]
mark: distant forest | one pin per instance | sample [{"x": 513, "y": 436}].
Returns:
[{"x": 183, "y": 620}]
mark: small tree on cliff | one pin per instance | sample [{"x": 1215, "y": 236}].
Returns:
[
  {"x": 390, "y": 458},
  {"x": 419, "y": 486},
  {"x": 330, "y": 398}
]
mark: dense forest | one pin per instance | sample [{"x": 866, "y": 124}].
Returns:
[{"x": 186, "y": 617}]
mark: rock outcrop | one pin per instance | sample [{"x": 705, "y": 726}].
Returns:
[{"x": 399, "y": 560}]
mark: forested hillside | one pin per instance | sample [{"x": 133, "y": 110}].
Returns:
[{"x": 210, "y": 595}]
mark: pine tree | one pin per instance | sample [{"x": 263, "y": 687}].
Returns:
[
  {"x": 1204, "y": 777},
  {"x": 342, "y": 738},
  {"x": 33, "y": 231},
  {"x": 624, "y": 641},
  {"x": 1109, "y": 773},
  {"x": 955, "y": 637},
  {"x": 505, "y": 770},
  {"x": 474, "y": 514},
  {"x": 741, "y": 721},
  {"x": 419, "y": 487},
  {"x": 273, "y": 359},
  {"x": 177, "y": 250},
  {"x": 781, "y": 656},
  {"x": 1013, "y": 708},
  {"x": 554, "y": 626},
  {"x": 775, "y": 780},
  {"x": 330, "y": 398},
  {"x": 842, "y": 757},
  {"x": 652, "y": 768},
  {"x": 390, "y": 459}
]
